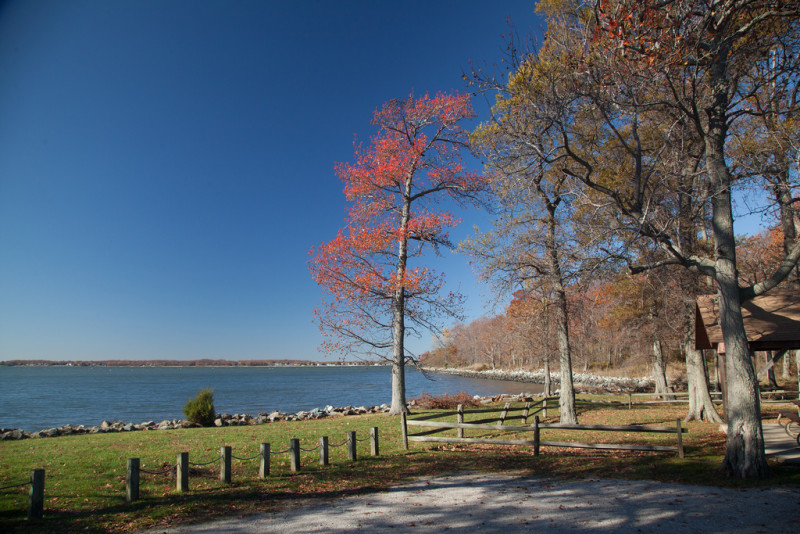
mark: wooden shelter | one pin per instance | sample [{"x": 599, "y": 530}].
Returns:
[{"x": 771, "y": 323}]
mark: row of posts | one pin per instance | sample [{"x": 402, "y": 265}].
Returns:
[{"x": 182, "y": 467}]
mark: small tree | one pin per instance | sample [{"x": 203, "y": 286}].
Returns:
[
  {"x": 200, "y": 410},
  {"x": 373, "y": 297}
]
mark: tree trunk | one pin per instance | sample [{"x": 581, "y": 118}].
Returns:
[
  {"x": 566, "y": 397},
  {"x": 399, "y": 357},
  {"x": 399, "y": 314},
  {"x": 660, "y": 373},
  {"x": 744, "y": 448},
  {"x": 744, "y": 452},
  {"x": 547, "y": 387},
  {"x": 785, "y": 371},
  {"x": 701, "y": 406},
  {"x": 771, "y": 381}
]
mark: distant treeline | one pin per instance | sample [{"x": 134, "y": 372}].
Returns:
[{"x": 179, "y": 363}]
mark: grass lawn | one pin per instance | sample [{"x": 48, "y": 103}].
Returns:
[{"x": 85, "y": 475}]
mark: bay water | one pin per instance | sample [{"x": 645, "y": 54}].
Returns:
[{"x": 40, "y": 397}]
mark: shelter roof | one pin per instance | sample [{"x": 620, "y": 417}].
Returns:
[{"x": 771, "y": 321}]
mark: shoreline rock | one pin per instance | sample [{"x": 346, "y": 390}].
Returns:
[
  {"x": 583, "y": 382},
  {"x": 221, "y": 420}
]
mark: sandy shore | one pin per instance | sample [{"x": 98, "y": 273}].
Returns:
[{"x": 489, "y": 503}]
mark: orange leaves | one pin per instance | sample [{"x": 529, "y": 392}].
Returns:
[{"x": 412, "y": 162}]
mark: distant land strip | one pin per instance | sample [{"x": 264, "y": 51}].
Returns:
[{"x": 186, "y": 363}]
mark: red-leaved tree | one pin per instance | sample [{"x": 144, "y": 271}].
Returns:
[{"x": 373, "y": 297}]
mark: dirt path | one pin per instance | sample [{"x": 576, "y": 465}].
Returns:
[{"x": 484, "y": 503}]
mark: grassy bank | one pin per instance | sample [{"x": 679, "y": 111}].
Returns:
[{"x": 85, "y": 485}]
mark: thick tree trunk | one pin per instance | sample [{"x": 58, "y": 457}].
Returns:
[
  {"x": 660, "y": 373},
  {"x": 744, "y": 450},
  {"x": 701, "y": 406},
  {"x": 566, "y": 397}
]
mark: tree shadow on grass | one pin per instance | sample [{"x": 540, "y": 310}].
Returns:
[{"x": 313, "y": 485}]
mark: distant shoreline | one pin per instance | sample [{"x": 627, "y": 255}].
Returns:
[{"x": 187, "y": 363}]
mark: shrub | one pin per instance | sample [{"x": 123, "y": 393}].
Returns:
[
  {"x": 427, "y": 401},
  {"x": 200, "y": 410}
]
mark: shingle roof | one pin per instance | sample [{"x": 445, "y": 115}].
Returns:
[{"x": 771, "y": 321}]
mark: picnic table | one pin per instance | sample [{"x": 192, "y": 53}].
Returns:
[{"x": 792, "y": 421}]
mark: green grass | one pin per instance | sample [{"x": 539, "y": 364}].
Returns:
[{"x": 85, "y": 475}]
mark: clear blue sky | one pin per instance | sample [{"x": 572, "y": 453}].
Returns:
[{"x": 165, "y": 167}]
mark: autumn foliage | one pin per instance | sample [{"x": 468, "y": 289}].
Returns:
[{"x": 372, "y": 284}]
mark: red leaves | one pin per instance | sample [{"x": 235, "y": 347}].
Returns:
[{"x": 410, "y": 165}]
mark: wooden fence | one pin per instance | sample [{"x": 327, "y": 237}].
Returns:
[
  {"x": 35, "y": 495},
  {"x": 181, "y": 468},
  {"x": 498, "y": 423}
]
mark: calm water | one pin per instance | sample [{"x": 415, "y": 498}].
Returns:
[{"x": 35, "y": 398}]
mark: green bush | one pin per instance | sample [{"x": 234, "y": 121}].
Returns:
[{"x": 200, "y": 410}]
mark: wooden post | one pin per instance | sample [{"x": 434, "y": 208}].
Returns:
[
  {"x": 679, "y": 430},
  {"x": 182, "y": 472},
  {"x": 373, "y": 441},
  {"x": 460, "y": 419},
  {"x": 132, "y": 480},
  {"x": 36, "y": 504},
  {"x": 225, "y": 465},
  {"x": 351, "y": 445},
  {"x": 536, "y": 435},
  {"x": 504, "y": 414},
  {"x": 294, "y": 455},
  {"x": 263, "y": 470},
  {"x": 404, "y": 428},
  {"x": 525, "y": 413},
  {"x": 544, "y": 407},
  {"x": 630, "y": 400},
  {"x": 323, "y": 451}
]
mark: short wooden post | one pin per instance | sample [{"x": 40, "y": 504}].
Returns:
[
  {"x": 525, "y": 413},
  {"x": 263, "y": 470},
  {"x": 36, "y": 504},
  {"x": 374, "y": 450},
  {"x": 504, "y": 413},
  {"x": 323, "y": 451},
  {"x": 679, "y": 430},
  {"x": 544, "y": 407},
  {"x": 630, "y": 401},
  {"x": 182, "y": 472},
  {"x": 404, "y": 429},
  {"x": 132, "y": 480},
  {"x": 460, "y": 419},
  {"x": 351, "y": 445},
  {"x": 225, "y": 465},
  {"x": 536, "y": 435},
  {"x": 294, "y": 455}
]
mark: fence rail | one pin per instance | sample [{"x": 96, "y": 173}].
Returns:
[
  {"x": 535, "y": 429},
  {"x": 35, "y": 495},
  {"x": 181, "y": 467}
]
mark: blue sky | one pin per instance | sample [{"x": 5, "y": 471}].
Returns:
[{"x": 165, "y": 167}]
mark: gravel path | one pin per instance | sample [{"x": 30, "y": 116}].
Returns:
[{"x": 484, "y": 503}]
